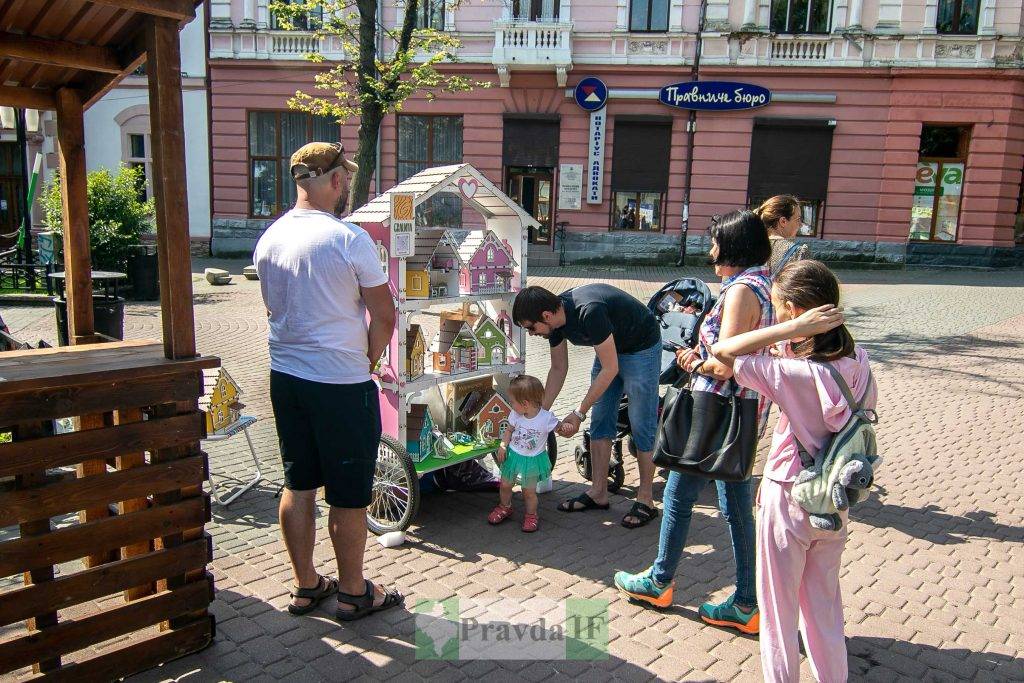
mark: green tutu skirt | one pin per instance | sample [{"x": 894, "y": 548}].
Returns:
[{"x": 526, "y": 470}]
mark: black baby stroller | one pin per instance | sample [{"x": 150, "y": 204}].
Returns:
[{"x": 680, "y": 307}]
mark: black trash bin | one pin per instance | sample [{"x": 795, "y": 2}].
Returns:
[
  {"x": 144, "y": 273},
  {"x": 107, "y": 306},
  {"x": 108, "y": 317}
]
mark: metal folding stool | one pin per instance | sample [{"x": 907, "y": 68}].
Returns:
[{"x": 242, "y": 425}]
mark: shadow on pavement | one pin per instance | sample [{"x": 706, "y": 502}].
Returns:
[
  {"x": 377, "y": 647},
  {"x": 925, "y": 662},
  {"x": 932, "y": 524}
]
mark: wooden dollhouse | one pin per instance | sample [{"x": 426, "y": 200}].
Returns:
[
  {"x": 415, "y": 349},
  {"x": 455, "y": 348},
  {"x": 220, "y": 400},
  {"x": 493, "y": 342},
  {"x": 492, "y": 418},
  {"x": 433, "y": 271},
  {"x": 487, "y": 263},
  {"x": 432, "y": 267},
  {"x": 420, "y": 437}
]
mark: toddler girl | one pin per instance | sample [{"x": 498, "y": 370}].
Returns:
[
  {"x": 523, "y": 453},
  {"x": 797, "y": 564}
]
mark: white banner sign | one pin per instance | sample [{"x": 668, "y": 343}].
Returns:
[
  {"x": 570, "y": 187},
  {"x": 595, "y": 165}
]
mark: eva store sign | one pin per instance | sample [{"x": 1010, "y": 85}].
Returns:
[{"x": 714, "y": 95}]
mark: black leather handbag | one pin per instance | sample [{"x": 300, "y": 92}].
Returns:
[{"x": 708, "y": 435}]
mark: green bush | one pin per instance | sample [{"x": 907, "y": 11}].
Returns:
[{"x": 117, "y": 215}]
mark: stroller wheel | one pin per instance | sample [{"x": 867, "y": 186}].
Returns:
[
  {"x": 583, "y": 462},
  {"x": 616, "y": 477}
]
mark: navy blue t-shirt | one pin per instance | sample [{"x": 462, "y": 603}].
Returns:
[{"x": 592, "y": 312}]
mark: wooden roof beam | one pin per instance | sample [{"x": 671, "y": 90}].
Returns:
[
  {"x": 182, "y": 10},
  {"x": 60, "y": 53},
  {"x": 27, "y": 98}
]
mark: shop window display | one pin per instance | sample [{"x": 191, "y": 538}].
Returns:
[{"x": 938, "y": 183}]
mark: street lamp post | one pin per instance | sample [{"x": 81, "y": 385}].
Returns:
[{"x": 691, "y": 132}]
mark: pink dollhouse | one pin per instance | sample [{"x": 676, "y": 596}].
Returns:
[{"x": 488, "y": 264}]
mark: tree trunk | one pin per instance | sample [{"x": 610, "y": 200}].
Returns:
[
  {"x": 371, "y": 115},
  {"x": 366, "y": 156}
]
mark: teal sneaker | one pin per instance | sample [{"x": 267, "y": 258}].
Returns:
[
  {"x": 729, "y": 615},
  {"x": 643, "y": 587}
]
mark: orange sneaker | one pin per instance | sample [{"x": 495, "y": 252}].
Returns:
[{"x": 643, "y": 587}]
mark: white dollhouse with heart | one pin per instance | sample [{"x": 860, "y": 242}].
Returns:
[{"x": 480, "y": 261}]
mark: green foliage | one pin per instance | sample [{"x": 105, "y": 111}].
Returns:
[
  {"x": 371, "y": 83},
  {"x": 117, "y": 215}
]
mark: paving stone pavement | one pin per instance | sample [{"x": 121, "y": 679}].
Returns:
[{"x": 933, "y": 574}]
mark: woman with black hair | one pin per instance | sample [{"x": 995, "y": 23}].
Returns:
[{"x": 739, "y": 252}]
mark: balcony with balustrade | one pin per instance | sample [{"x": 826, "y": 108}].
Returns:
[{"x": 533, "y": 35}]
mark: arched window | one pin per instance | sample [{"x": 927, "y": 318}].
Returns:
[
  {"x": 136, "y": 147},
  {"x": 490, "y": 254}
]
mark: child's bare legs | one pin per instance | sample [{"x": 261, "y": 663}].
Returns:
[
  {"x": 529, "y": 497},
  {"x": 505, "y": 495}
]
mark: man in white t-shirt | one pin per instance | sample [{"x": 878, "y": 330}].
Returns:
[{"x": 319, "y": 277}]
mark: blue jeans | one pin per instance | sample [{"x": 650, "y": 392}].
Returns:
[
  {"x": 735, "y": 502},
  {"x": 638, "y": 380}
]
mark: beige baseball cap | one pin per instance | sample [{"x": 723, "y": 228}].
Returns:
[{"x": 317, "y": 158}]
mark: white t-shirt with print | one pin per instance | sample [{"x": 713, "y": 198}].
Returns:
[
  {"x": 530, "y": 434},
  {"x": 311, "y": 266}
]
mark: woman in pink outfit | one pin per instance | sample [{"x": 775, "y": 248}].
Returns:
[{"x": 798, "y": 565}]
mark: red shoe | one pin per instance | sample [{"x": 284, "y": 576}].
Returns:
[
  {"x": 530, "y": 523},
  {"x": 499, "y": 514}
]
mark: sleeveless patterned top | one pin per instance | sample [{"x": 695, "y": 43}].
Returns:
[{"x": 759, "y": 280}]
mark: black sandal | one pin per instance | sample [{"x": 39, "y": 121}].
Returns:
[
  {"x": 645, "y": 513},
  {"x": 363, "y": 604},
  {"x": 325, "y": 587},
  {"x": 583, "y": 499}
]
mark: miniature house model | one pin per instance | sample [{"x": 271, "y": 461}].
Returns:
[
  {"x": 220, "y": 400},
  {"x": 493, "y": 342},
  {"x": 488, "y": 264},
  {"x": 415, "y": 352},
  {"x": 420, "y": 435},
  {"x": 492, "y": 419},
  {"x": 455, "y": 347},
  {"x": 433, "y": 271}
]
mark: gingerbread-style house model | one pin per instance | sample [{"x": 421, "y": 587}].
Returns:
[
  {"x": 420, "y": 433},
  {"x": 220, "y": 400},
  {"x": 433, "y": 271},
  {"x": 455, "y": 347},
  {"x": 487, "y": 263},
  {"x": 415, "y": 352},
  {"x": 493, "y": 342},
  {"x": 492, "y": 419}
]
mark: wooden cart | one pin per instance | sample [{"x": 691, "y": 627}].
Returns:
[{"x": 451, "y": 278}]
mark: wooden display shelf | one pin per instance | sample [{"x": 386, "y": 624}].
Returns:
[
  {"x": 429, "y": 379},
  {"x": 420, "y": 304},
  {"x": 460, "y": 454},
  {"x": 137, "y": 489}
]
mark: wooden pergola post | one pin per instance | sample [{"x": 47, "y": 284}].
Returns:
[
  {"x": 163, "y": 66},
  {"x": 75, "y": 210}
]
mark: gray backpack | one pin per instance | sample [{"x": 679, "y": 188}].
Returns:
[{"x": 843, "y": 471}]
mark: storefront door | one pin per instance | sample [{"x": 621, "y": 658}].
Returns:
[
  {"x": 531, "y": 188},
  {"x": 10, "y": 188}
]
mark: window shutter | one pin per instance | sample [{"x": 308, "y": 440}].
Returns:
[
  {"x": 640, "y": 155},
  {"x": 790, "y": 157},
  {"x": 530, "y": 142}
]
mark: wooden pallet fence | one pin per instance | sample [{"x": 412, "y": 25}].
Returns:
[{"x": 117, "y": 505}]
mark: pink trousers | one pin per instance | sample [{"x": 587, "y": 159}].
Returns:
[{"x": 798, "y": 589}]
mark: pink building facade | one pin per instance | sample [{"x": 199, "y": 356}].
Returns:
[{"x": 898, "y": 123}]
